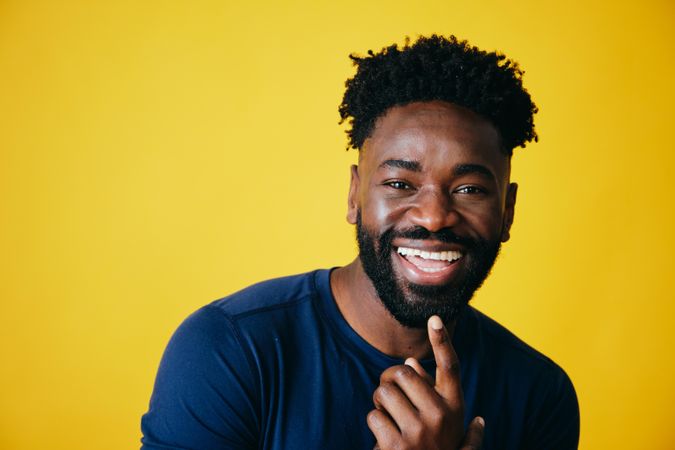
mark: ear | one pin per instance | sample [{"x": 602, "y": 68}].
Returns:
[
  {"x": 509, "y": 211},
  {"x": 353, "y": 198}
]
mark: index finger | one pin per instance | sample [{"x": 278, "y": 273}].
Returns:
[{"x": 447, "y": 364}]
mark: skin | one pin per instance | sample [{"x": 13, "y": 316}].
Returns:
[{"x": 411, "y": 410}]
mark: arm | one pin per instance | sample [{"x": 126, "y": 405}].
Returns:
[{"x": 205, "y": 394}]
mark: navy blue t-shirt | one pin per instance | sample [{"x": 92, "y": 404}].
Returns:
[{"x": 276, "y": 366}]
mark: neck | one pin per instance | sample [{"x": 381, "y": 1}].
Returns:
[{"x": 363, "y": 310}]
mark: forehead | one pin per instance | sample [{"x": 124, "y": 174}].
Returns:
[{"x": 434, "y": 133}]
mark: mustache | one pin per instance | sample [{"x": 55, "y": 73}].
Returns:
[{"x": 444, "y": 235}]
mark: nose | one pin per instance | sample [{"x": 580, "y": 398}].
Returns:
[{"x": 433, "y": 210}]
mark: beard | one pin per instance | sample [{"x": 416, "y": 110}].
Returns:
[{"x": 412, "y": 304}]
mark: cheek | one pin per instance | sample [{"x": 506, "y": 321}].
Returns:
[
  {"x": 484, "y": 220},
  {"x": 381, "y": 213}
]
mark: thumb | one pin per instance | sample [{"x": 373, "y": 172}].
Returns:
[{"x": 473, "y": 439}]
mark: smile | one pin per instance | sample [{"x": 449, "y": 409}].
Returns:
[
  {"x": 449, "y": 255},
  {"x": 428, "y": 267}
]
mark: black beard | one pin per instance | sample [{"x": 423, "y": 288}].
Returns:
[{"x": 413, "y": 304}]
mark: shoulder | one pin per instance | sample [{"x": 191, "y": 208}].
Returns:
[
  {"x": 259, "y": 321},
  {"x": 222, "y": 328},
  {"x": 527, "y": 372},
  {"x": 277, "y": 293},
  {"x": 258, "y": 311},
  {"x": 210, "y": 365},
  {"x": 546, "y": 392},
  {"x": 232, "y": 324},
  {"x": 500, "y": 342}
]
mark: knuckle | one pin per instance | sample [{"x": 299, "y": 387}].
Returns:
[
  {"x": 436, "y": 418},
  {"x": 377, "y": 395},
  {"x": 404, "y": 372},
  {"x": 439, "y": 420},
  {"x": 388, "y": 374},
  {"x": 381, "y": 392},
  {"x": 402, "y": 445},
  {"x": 452, "y": 367},
  {"x": 414, "y": 432},
  {"x": 386, "y": 388}
]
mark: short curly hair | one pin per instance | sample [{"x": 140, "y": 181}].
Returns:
[{"x": 439, "y": 68}]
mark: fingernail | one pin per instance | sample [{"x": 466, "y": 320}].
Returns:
[
  {"x": 480, "y": 421},
  {"x": 436, "y": 323},
  {"x": 409, "y": 362}
]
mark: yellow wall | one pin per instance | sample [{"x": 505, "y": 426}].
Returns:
[{"x": 157, "y": 155}]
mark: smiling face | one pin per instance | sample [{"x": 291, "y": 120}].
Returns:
[{"x": 432, "y": 202}]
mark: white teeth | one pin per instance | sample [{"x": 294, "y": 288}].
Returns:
[{"x": 438, "y": 256}]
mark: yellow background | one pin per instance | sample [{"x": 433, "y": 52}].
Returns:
[{"x": 157, "y": 155}]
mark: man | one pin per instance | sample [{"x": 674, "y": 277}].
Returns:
[{"x": 385, "y": 352}]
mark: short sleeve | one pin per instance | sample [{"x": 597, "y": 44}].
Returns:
[
  {"x": 555, "y": 418},
  {"x": 205, "y": 395}
]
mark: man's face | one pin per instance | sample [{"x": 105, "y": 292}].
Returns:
[{"x": 432, "y": 202}]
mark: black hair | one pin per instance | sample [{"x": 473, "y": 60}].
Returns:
[{"x": 439, "y": 68}]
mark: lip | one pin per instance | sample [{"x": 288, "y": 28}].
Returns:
[
  {"x": 416, "y": 276},
  {"x": 429, "y": 246}
]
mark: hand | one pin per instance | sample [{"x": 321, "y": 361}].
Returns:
[{"x": 413, "y": 412}]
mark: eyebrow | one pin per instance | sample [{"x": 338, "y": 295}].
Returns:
[
  {"x": 413, "y": 166},
  {"x": 466, "y": 169},
  {"x": 458, "y": 170}
]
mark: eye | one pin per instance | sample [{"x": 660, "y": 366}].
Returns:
[
  {"x": 398, "y": 185},
  {"x": 470, "y": 189}
]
